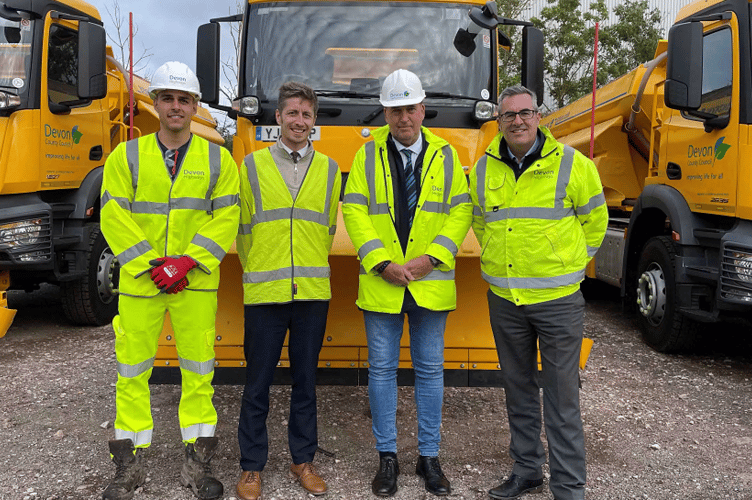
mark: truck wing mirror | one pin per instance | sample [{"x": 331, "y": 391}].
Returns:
[
  {"x": 207, "y": 62},
  {"x": 92, "y": 63},
  {"x": 683, "y": 88},
  {"x": 532, "y": 61}
]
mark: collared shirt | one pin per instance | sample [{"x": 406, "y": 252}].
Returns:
[
  {"x": 302, "y": 151},
  {"x": 415, "y": 148},
  {"x": 529, "y": 152}
]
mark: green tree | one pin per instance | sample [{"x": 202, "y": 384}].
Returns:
[
  {"x": 570, "y": 34},
  {"x": 632, "y": 40},
  {"x": 509, "y": 59}
]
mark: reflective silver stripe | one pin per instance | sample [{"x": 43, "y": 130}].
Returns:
[
  {"x": 460, "y": 199},
  {"x": 133, "y": 252},
  {"x": 286, "y": 273},
  {"x": 437, "y": 275},
  {"x": 480, "y": 172},
  {"x": 131, "y": 155},
  {"x": 197, "y": 431},
  {"x": 591, "y": 251},
  {"x": 565, "y": 172},
  {"x": 535, "y": 283},
  {"x": 250, "y": 164},
  {"x": 140, "y": 438},
  {"x": 333, "y": 170},
  {"x": 229, "y": 200},
  {"x": 435, "y": 207},
  {"x": 446, "y": 243},
  {"x": 150, "y": 207},
  {"x": 363, "y": 270},
  {"x": 355, "y": 199},
  {"x": 368, "y": 247},
  {"x": 124, "y": 203},
  {"x": 244, "y": 229},
  {"x": 448, "y": 164},
  {"x": 200, "y": 368},
  {"x": 333, "y": 230},
  {"x": 370, "y": 168},
  {"x": 209, "y": 245},
  {"x": 215, "y": 168},
  {"x": 528, "y": 213},
  {"x": 190, "y": 204},
  {"x": 130, "y": 371},
  {"x": 477, "y": 212},
  {"x": 595, "y": 202},
  {"x": 287, "y": 213}
]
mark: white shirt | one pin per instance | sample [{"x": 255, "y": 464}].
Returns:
[
  {"x": 415, "y": 148},
  {"x": 301, "y": 152}
]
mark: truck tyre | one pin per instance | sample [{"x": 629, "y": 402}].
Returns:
[
  {"x": 663, "y": 326},
  {"x": 92, "y": 300}
]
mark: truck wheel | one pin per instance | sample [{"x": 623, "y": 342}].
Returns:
[
  {"x": 663, "y": 327},
  {"x": 92, "y": 300}
]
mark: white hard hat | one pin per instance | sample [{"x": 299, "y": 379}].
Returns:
[
  {"x": 174, "y": 75},
  {"x": 401, "y": 88}
]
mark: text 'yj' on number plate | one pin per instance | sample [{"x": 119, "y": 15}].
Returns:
[{"x": 270, "y": 133}]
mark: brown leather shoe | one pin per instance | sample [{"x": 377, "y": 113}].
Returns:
[
  {"x": 308, "y": 479},
  {"x": 249, "y": 486}
]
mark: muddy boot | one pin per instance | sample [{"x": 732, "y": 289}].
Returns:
[
  {"x": 196, "y": 473},
  {"x": 129, "y": 472}
]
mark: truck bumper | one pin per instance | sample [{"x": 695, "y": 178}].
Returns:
[{"x": 25, "y": 233}]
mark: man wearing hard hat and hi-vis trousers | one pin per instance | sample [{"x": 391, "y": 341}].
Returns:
[
  {"x": 170, "y": 211},
  {"x": 407, "y": 210}
]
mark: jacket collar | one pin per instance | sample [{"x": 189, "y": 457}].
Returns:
[
  {"x": 550, "y": 145},
  {"x": 382, "y": 133}
]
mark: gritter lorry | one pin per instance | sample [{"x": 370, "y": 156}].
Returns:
[
  {"x": 672, "y": 142},
  {"x": 64, "y": 106},
  {"x": 344, "y": 50}
]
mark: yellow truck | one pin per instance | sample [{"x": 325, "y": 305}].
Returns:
[
  {"x": 670, "y": 141},
  {"x": 344, "y": 50},
  {"x": 63, "y": 108}
]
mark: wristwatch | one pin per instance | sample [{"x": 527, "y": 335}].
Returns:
[
  {"x": 383, "y": 266},
  {"x": 434, "y": 261}
]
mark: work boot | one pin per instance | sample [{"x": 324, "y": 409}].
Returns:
[
  {"x": 129, "y": 471},
  {"x": 308, "y": 478},
  {"x": 196, "y": 473}
]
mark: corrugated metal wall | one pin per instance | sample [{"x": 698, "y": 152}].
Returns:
[{"x": 668, "y": 9}]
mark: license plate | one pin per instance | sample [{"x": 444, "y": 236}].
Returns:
[{"x": 270, "y": 133}]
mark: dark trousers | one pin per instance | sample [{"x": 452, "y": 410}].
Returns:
[
  {"x": 558, "y": 325},
  {"x": 265, "y": 330}
]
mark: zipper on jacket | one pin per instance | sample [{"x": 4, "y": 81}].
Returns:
[{"x": 294, "y": 286}]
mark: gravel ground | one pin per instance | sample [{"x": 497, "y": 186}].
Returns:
[{"x": 657, "y": 427}]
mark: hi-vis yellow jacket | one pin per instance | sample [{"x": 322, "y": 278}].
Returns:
[
  {"x": 537, "y": 233},
  {"x": 442, "y": 219},
  {"x": 284, "y": 244},
  {"x": 146, "y": 215}
]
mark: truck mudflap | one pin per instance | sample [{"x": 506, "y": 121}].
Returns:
[{"x": 6, "y": 314}]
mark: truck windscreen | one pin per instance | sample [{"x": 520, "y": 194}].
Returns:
[
  {"x": 15, "y": 54},
  {"x": 348, "y": 48}
]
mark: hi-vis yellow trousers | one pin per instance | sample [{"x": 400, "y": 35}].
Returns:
[{"x": 137, "y": 329}]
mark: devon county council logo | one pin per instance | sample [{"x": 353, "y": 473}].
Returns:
[
  {"x": 76, "y": 135},
  {"x": 721, "y": 148}
]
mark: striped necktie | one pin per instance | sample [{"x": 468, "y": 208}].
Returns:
[{"x": 410, "y": 187}]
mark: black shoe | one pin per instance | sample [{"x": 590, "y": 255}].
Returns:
[
  {"x": 385, "y": 482},
  {"x": 430, "y": 470},
  {"x": 516, "y": 486}
]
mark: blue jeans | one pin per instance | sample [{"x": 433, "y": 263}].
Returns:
[{"x": 384, "y": 332}]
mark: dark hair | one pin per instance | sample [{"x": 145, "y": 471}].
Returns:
[
  {"x": 518, "y": 90},
  {"x": 290, "y": 90}
]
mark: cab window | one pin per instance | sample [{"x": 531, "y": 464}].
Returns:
[
  {"x": 717, "y": 73},
  {"x": 62, "y": 65}
]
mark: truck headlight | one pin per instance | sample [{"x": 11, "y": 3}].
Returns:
[
  {"x": 247, "y": 106},
  {"x": 484, "y": 111},
  {"x": 742, "y": 263},
  {"x": 26, "y": 232}
]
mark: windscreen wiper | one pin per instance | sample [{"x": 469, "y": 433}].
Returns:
[
  {"x": 345, "y": 93},
  {"x": 447, "y": 95}
]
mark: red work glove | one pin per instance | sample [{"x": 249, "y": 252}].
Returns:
[
  {"x": 177, "y": 287},
  {"x": 169, "y": 272}
]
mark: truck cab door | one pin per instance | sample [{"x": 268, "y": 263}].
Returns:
[
  {"x": 700, "y": 152},
  {"x": 73, "y": 129}
]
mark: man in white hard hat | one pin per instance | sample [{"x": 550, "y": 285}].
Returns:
[
  {"x": 407, "y": 210},
  {"x": 170, "y": 211}
]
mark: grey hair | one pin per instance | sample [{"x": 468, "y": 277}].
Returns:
[{"x": 518, "y": 90}]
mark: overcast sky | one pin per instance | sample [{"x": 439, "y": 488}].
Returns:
[{"x": 167, "y": 28}]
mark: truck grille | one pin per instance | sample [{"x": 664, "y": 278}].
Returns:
[
  {"x": 736, "y": 274},
  {"x": 26, "y": 241}
]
